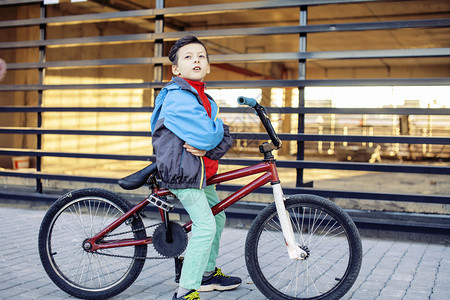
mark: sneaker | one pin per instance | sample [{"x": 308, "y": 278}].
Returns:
[
  {"x": 220, "y": 282},
  {"x": 192, "y": 295}
]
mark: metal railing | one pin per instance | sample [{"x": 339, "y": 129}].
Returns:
[{"x": 158, "y": 37}]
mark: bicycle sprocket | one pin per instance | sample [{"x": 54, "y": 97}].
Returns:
[{"x": 176, "y": 244}]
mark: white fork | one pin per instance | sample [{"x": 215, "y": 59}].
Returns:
[{"x": 294, "y": 251}]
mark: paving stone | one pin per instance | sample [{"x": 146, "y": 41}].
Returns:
[
  {"x": 440, "y": 295},
  {"x": 390, "y": 269}
]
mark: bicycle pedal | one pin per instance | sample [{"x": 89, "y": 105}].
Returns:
[{"x": 162, "y": 203}]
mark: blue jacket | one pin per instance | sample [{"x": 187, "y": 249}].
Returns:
[{"x": 179, "y": 117}]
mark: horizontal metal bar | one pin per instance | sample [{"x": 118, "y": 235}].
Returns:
[
  {"x": 243, "y": 84},
  {"x": 415, "y": 222},
  {"x": 277, "y": 30},
  {"x": 322, "y": 55},
  {"x": 89, "y": 63},
  {"x": 352, "y": 138},
  {"x": 390, "y": 221},
  {"x": 39, "y": 175},
  {"x": 352, "y": 166},
  {"x": 341, "y": 110},
  {"x": 19, "y": 130},
  {"x": 22, "y": 195},
  {"x": 288, "y": 191},
  {"x": 19, "y": 2},
  {"x": 417, "y": 198},
  {"x": 168, "y": 12},
  {"x": 83, "y": 18},
  {"x": 391, "y": 168},
  {"x": 359, "y": 111},
  {"x": 249, "y": 136},
  {"x": 41, "y": 153},
  {"x": 70, "y": 42},
  {"x": 445, "y": 170},
  {"x": 346, "y": 138},
  {"x": 30, "y": 109},
  {"x": 249, "y": 57},
  {"x": 218, "y": 8},
  {"x": 238, "y": 32},
  {"x": 235, "y": 32},
  {"x": 37, "y": 87},
  {"x": 241, "y": 110},
  {"x": 329, "y": 82}
]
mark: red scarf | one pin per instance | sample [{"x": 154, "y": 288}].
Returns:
[{"x": 211, "y": 166}]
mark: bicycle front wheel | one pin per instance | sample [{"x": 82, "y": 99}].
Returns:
[
  {"x": 324, "y": 231},
  {"x": 79, "y": 215}
]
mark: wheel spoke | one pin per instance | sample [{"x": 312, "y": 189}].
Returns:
[
  {"x": 76, "y": 217},
  {"x": 322, "y": 230}
]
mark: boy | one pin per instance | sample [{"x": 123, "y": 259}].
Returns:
[{"x": 188, "y": 139}]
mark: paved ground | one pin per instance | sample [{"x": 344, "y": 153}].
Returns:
[{"x": 390, "y": 270}]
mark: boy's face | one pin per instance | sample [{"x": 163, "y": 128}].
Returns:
[{"x": 192, "y": 62}]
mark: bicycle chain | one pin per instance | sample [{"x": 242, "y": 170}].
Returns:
[
  {"x": 133, "y": 257},
  {"x": 133, "y": 230}
]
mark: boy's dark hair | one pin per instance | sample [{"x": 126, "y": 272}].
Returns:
[{"x": 188, "y": 39}]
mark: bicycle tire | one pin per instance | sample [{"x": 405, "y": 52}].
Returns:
[
  {"x": 69, "y": 221},
  {"x": 325, "y": 231}
]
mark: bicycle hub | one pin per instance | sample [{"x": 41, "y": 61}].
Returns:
[{"x": 87, "y": 246}]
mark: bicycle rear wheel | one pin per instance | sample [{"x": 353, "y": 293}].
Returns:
[
  {"x": 324, "y": 231},
  {"x": 78, "y": 215}
]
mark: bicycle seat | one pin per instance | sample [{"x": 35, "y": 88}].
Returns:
[{"x": 137, "y": 179}]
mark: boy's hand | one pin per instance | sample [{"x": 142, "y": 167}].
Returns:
[{"x": 193, "y": 150}]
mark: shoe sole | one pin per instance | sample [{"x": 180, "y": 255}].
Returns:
[{"x": 216, "y": 287}]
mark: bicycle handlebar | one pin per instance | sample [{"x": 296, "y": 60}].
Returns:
[
  {"x": 247, "y": 101},
  {"x": 261, "y": 112}
]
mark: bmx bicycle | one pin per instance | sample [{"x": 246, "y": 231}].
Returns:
[{"x": 93, "y": 242}]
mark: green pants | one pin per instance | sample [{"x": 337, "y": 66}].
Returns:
[{"x": 203, "y": 246}]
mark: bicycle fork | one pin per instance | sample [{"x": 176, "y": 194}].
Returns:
[{"x": 294, "y": 251}]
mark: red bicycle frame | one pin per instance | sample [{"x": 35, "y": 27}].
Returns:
[{"x": 267, "y": 167}]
